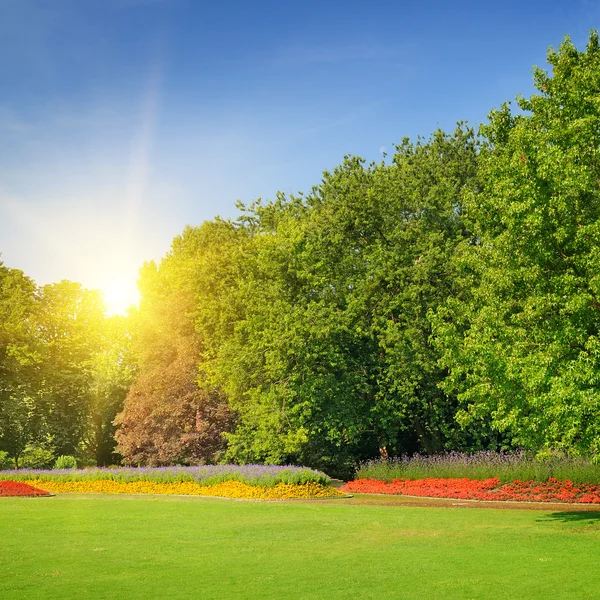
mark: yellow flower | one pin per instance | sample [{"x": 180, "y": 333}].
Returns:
[{"x": 228, "y": 489}]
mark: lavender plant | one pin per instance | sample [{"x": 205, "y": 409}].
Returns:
[
  {"x": 259, "y": 475},
  {"x": 482, "y": 465}
]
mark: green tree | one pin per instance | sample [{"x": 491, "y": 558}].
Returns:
[
  {"x": 67, "y": 326},
  {"x": 324, "y": 353},
  {"x": 113, "y": 371},
  {"x": 167, "y": 417},
  {"x": 521, "y": 343},
  {"x": 20, "y": 422}
]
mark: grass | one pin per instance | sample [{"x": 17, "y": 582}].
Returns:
[
  {"x": 482, "y": 465},
  {"x": 106, "y": 547}
]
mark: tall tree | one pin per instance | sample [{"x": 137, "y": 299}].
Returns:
[
  {"x": 113, "y": 370},
  {"x": 167, "y": 418},
  {"x": 327, "y": 357},
  {"x": 67, "y": 323},
  {"x": 20, "y": 423},
  {"x": 522, "y": 342}
]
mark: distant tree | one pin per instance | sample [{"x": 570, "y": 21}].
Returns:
[
  {"x": 67, "y": 326},
  {"x": 113, "y": 370},
  {"x": 20, "y": 423}
]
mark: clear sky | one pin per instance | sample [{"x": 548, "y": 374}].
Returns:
[{"x": 121, "y": 121}]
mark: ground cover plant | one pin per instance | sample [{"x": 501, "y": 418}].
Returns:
[
  {"x": 227, "y": 489},
  {"x": 263, "y": 475},
  {"x": 257, "y": 482},
  {"x": 507, "y": 467},
  {"x": 18, "y": 488},
  {"x": 488, "y": 476},
  {"x": 155, "y": 547},
  {"x": 491, "y": 489}
]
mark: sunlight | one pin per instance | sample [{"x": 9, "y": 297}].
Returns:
[{"x": 119, "y": 294}]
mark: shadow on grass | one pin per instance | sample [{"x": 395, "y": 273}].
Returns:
[{"x": 576, "y": 517}]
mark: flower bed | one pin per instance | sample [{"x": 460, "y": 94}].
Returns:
[
  {"x": 551, "y": 490},
  {"x": 228, "y": 489},
  {"x": 261, "y": 475},
  {"x": 18, "y": 488},
  {"x": 259, "y": 482},
  {"x": 506, "y": 466},
  {"x": 437, "y": 488}
]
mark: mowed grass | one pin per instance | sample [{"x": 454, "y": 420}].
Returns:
[{"x": 136, "y": 547}]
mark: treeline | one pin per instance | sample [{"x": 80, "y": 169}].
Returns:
[
  {"x": 447, "y": 299},
  {"x": 65, "y": 370}
]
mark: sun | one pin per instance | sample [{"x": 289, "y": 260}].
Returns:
[{"x": 119, "y": 294}]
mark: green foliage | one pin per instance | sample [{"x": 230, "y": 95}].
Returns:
[
  {"x": 521, "y": 340},
  {"x": 68, "y": 323},
  {"x": 113, "y": 370},
  {"x": 316, "y": 319},
  {"x": 36, "y": 457},
  {"x": 6, "y": 462},
  {"x": 64, "y": 369},
  {"x": 20, "y": 421},
  {"x": 65, "y": 462}
]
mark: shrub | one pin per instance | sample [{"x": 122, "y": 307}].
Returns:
[
  {"x": 65, "y": 462},
  {"x": 6, "y": 462},
  {"x": 36, "y": 457}
]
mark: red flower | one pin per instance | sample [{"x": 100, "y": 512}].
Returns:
[
  {"x": 18, "y": 488},
  {"x": 551, "y": 490}
]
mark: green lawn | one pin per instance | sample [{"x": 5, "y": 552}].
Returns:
[{"x": 169, "y": 548}]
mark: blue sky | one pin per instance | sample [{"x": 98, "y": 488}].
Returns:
[{"x": 121, "y": 121}]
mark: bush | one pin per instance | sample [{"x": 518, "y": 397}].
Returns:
[
  {"x": 85, "y": 462},
  {"x": 65, "y": 462},
  {"x": 36, "y": 457},
  {"x": 6, "y": 462}
]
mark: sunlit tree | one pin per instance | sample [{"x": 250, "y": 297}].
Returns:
[
  {"x": 67, "y": 325},
  {"x": 167, "y": 417},
  {"x": 21, "y": 423},
  {"x": 522, "y": 341}
]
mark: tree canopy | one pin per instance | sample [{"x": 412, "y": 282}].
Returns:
[
  {"x": 521, "y": 340},
  {"x": 445, "y": 298}
]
